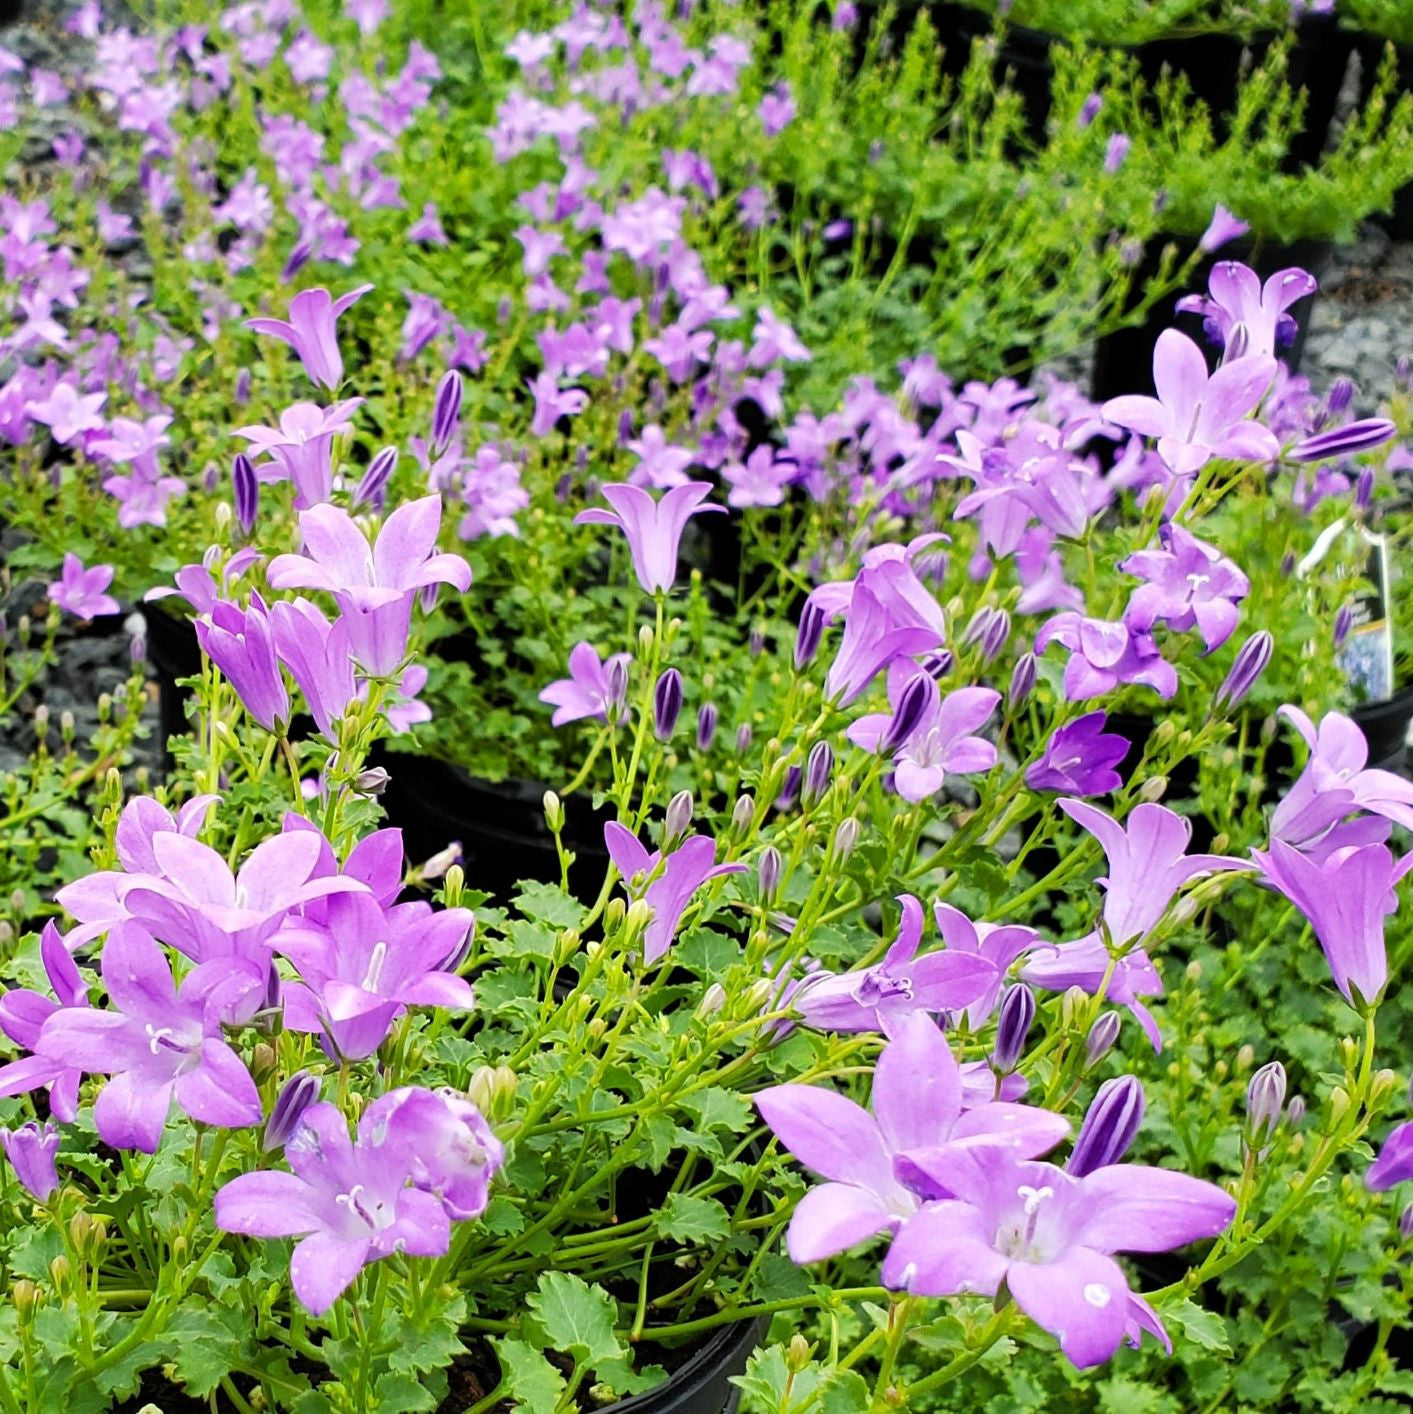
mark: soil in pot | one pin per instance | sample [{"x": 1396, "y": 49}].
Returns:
[{"x": 1123, "y": 360}]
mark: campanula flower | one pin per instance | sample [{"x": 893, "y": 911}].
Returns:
[
  {"x": 652, "y": 527},
  {"x": 876, "y": 998},
  {"x": 310, "y": 331},
  {"x": 30, "y": 1150},
  {"x": 1222, "y": 228},
  {"x": 1237, "y": 296},
  {"x": 241, "y": 643},
  {"x": 873, "y": 639},
  {"x": 319, "y": 656},
  {"x": 1050, "y": 1236},
  {"x": 1188, "y": 584},
  {"x": 301, "y": 448},
  {"x": 1104, "y": 654},
  {"x": 1395, "y": 1161},
  {"x": 917, "y": 1117},
  {"x": 81, "y": 592},
  {"x": 23, "y": 1013},
  {"x": 587, "y": 691},
  {"x": 996, "y": 947},
  {"x": 1079, "y": 758}
]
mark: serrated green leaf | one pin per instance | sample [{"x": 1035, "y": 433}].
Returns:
[
  {"x": 577, "y": 1318},
  {"x": 1204, "y": 1328},
  {"x": 530, "y": 1380},
  {"x": 716, "y": 1108},
  {"x": 845, "y": 1393},
  {"x": 546, "y": 904},
  {"x": 401, "y": 1394},
  {"x": 685, "y": 1217}
]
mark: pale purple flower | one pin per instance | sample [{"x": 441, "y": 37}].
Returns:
[
  {"x": 80, "y": 591},
  {"x": 1223, "y": 227},
  {"x": 428, "y": 227},
  {"x": 1089, "y": 109},
  {"x": 241, "y": 643},
  {"x": 1116, "y": 151},
  {"x": 653, "y": 528},
  {"x": 776, "y": 110},
  {"x": 1050, "y": 1238},
  {"x": 1079, "y": 758},
  {"x": 23, "y": 1013},
  {"x": 1189, "y": 584},
  {"x": 588, "y": 691},
  {"x": 660, "y": 463},
  {"x": 667, "y": 885},
  {"x": 1196, "y": 415},
  {"x": 142, "y": 500},
  {"x": 68, "y": 413},
  {"x": 310, "y": 331},
  {"x": 301, "y": 448},
  {"x": 1105, "y": 654},
  {"x": 553, "y": 402},
  {"x": 350, "y": 1204},
  {"x": 1395, "y": 1161},
  {"x": 876, "y": 998},
  {"x": 30, "y": 1150},
  {"x": 375, "y": 586},
  {"x": 758, "y": 481},
  {"x": 319, "y": 656},
  {"x": 997, "y": 947},
  {"x": 873, "y": 1163},
  {"x": 774, "y": 340},
  {"x": 158, "y": 1043},
  {"x": 1345, "y": 897},
  {"x": 1237, "y": 297}
]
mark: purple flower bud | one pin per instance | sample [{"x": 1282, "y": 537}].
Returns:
[
  {"x": 1090, "y": 109},
  {"x": 819, "y": 766},
  {"x": 1295, "y": 1111},
  {"x": 667, "y": 704},
  {"x": 298, "y": 258},
  {"x": 242, "y": 387},
  {"x": 446, "y": 412},
  {"x": 917, "y": 699},
  {"x": 296, "y": 1095},
  {"x": 810, "y": 632},
  {"x": 625, "y": 427},
  {"x": 375, "y": 480},
  {"x": 1238, "y": 343},
  {"x": 993, "y": 640},
  {"x": 977, "y": 626},
  {"x": 372, "y": 782},
  {"x": 756, "y": 643},
  {"x": 1344, "y": 441},
  {"x": 1344, "y": 621},
  {"x": 790, "y": 791},
  {"x": 1012, "y": 1027},
  {"x": 1288, "y": 564},
  {"x": 1405, "y": 1223},
  {"x": 937, "y": 665},
  {"x": 1341, "y": 394},
  {"x": 743, "y": 738},
  {"x": 1251, "y": 661},
  {"x": 1117, "y": 150},
  {"x": 30, "y": 1150},
  {"x": 1101, "y": 1039},
  {"x": 706, "y": 726},
  {"x": 1265, "y": 1103},
  {"x": 1364, "y": 488},
  {"x": 1109, "y": 1126},
  {"x": 677, "y": 819},
  {"x": 743, "y": 813},
  {"x": 768, "y": 874},
  {"x": 846, "y": 838},
  {"x": 247, "y": 492},
  {"x": 455, "y": 960},
  {"x": 137, "y": 648},
  {"x": 1022, "y": 679}
]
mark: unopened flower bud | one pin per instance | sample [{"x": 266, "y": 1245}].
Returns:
[
  {"x": 743, "y": 814},
  {"x": 797, "y": 1356},
  {"x": 1022, "y": 679},
  {"x": 554, "y": 812},
  {"x": 1245, "y": 1059},
  {"x": 1295, "y": 1111},
  {"x": 1336, "y": 1106},
  {"x": 811, "y": 631},
  {"x": 755, "y": 644},
  {"x": 246, "y": 487},
  {"x": 1344, "y": 441},
  {"x": 790, "y": 791},
  {"x": 1072, "y": 1002},
  {"x": 993, "y": 640},
  {"x": 768, "y": 873},
  {"x": 706, "y": 726},
  {"x": 917, "y": 700},
  {"x": 819, "y": 766},
  {"x": 371, "y": 782},
  {"x": 1013, "y": 1022},
  {"x": 1109, "y": 1126},
  {"x": 713, "y": 999},
  {"x": 846, "y": 838},
  {"x": 26, "y": 1295},
  {"x": 446, "y": 412},
  {"x": 1153, "y": 789},
  {"x": 296, "y": 1095},
  {"x": 1344, "y": 621},
  {"x": 1405, "y": 1226},
  {"x": 1101, "y": 1039},
  {"x": 743, "y": 738},
  {"x": 678, "y": 818},
  {"x": 1383, "y": 1084},
  {"x": 1364, "y": 488},
  {"x": 373, "y": 484},
  {"x": 1251, "y": 661},
  {"x": 1265, "y": 1103}
]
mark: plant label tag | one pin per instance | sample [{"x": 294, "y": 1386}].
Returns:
[{"x": 1367, "y": 654}]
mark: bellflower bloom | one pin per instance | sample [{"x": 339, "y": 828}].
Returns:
[
  {"x": 30, "y": 1150},
  {"x": 349, "y": 1203},
  {"x": 241, "y": 643},
  {"x": 374, "y": 585},
  {"x": 917, "y": 1115},
  {"x": 667, "y": 886},
  {"x": 1189, "y": 584},
  {"x": 875, "y": 998},
  {"x": 1080, "y": 758},
  {"x": 80, "y": 591},
  {"x": 1050, "y": 1236},
  {"x": 1237, "y": 297},
  {"x": 310, "y": 331},
  {"x": 1344, "y": 897},
  {"x": 1395, "y": 1161},
  {"x": 157, "y": 1043},
  {"x": 319, "y": 656},
  {"x": 996, "y": 947},
  {"x": 301, "y": 448},
  {"x": 653, "y": 528},
  {"x": 23, "y": 1013},
  {"x": 872, "y": 639},
  {"x": 1197, "y": 416},
  {"x": 1223, "y": 227},
  {"x": 587, "y": 691},
  {"x": 1105, "y": 654}
]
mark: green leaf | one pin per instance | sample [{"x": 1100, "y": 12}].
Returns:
[
  {"x": 397, "y": 1393},
  {"x": 431, "y": 1344},
  {"x": 1202, "y": 1327},
  {"x": 621, "y": 1378},
  {"x": 577, "y": 1318},
  {"x": 530, "y": 1380},
  {"x": 204, "y": 1345},
  {"x": 688, "y": 1218},
  {"x": 777, "y": 1278},
  {"x": 845, "y": 1393},
  {"x": 546, "y": 904},
  {"x": 716, "y": 1108}
]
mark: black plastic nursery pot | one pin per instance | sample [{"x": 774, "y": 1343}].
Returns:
[
  {"x": 1385, "y": 727},
  {"x": 500, "y": 825},
  {"x": 174, "y": 653},
  {"x": 702, "y": 1383},
  {"x": 10, "y": 12},
  {"x": 1123, "y": 360}
]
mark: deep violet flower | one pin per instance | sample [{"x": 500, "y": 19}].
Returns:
[
  {"x": 1105, "y": 654},
  {"x": 1080, "y": 758},
  {"x": 1196, "y": 415},
  {"x": 23, "y": 1013},
  {"x": 30, "y": 1150},
  {"x": 1109, "y": 1126},
  {"x": 157, "y": 1042},
  {"x": 876, "y": 998},
  {"x": 652, "y": 527},
  {"x": 1188, "y": 584},
  {"x": 374, "y": 585},
  {"x": 667, "y": 885},
  {"x": 310, "y": 331},
  {"x": 81, "y": 592},
  {"x": 588, "y": 690},
  {"x": 917, "y": 1115},
  {"x": 349, "y": 1203},
  {"x": 1050, "y": 1237}
]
